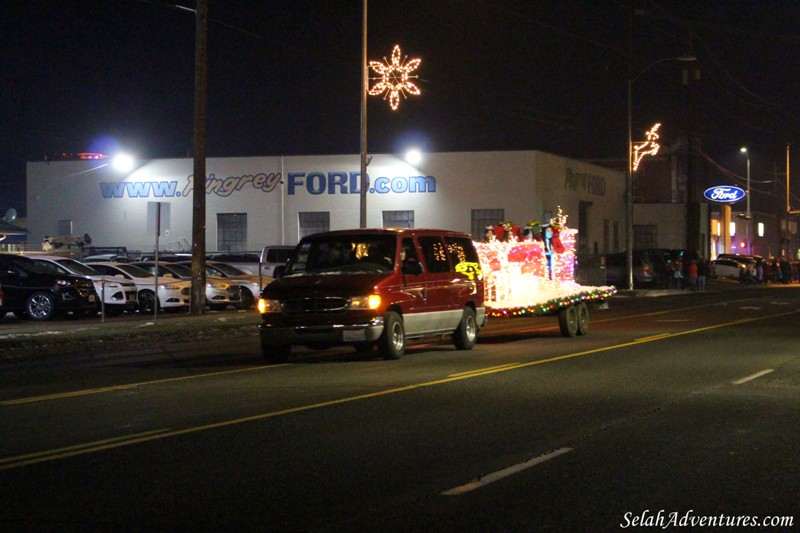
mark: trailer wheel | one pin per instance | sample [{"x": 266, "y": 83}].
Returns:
[
  {"x": 568, "y": 321},
  {"x": 583, "y": 319}
]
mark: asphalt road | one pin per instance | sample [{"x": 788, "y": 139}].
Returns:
[{"x": 676, "y": 409}]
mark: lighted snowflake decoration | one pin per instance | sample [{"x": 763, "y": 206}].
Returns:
[
  {"x": 648, "y": 147},
  {"x": 395, "y": 77}
]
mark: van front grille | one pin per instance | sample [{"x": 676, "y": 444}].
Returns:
[{"x": 315, "y": 305}]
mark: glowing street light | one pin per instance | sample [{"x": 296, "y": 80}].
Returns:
[
  {"x": 122, "y": 163},
  {"x": 413, "y": 157}
]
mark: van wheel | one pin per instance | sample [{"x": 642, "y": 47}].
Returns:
[
  {"x": 276, "y": 354},
  {"x": 392, "y": 343},
  {"x": 583, "y": 319},
  {"x": 467, "y": 331},
  {"x": 568, "y": 321},
  {"x": 40, "y": 306}
]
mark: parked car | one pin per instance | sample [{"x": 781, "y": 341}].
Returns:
[
  {"x": 729, "y": 268},
  {"x": 32, "y": 291},
  {"x": 107, "y": 258},
  {"x": 246, "y": 261},
  {"x": 750, "y": 262},
  {"x": 220, "y": 293},
  {"x": 118, "y": 295},
  {"x": 172, "y": 294},
  {"x": 273, "y": 259},
  {"x": 617, "y": 268},
  {"x": 250, "y": 284},
  {"x": 373, "y": 287}
]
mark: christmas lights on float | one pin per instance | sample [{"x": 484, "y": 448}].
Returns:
[{"x": 519, "y": 281}]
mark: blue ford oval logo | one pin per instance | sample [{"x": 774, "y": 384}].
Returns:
[{"x": 724, "y": 194}]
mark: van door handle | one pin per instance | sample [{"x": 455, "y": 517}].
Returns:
[{"x": 424, "y": 294}]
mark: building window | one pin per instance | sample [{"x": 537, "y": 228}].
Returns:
[
  {"x": 606, "y": 236},
  {"x": 485, "y": 217},
  {"x": 398, "y": 219},
  {"x": 64, "y": 227},
  {"x": 645, "y": 236},
  {"x": 616, "y": 236},
  {"x": 231, "y": 232},
  {"x": 313, "y": 222}
]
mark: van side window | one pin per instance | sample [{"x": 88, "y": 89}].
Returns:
[
  {"x": 434, "y": 252},
  {"x": 408, "y": 256},
  {"x": 461, "y": 250}
]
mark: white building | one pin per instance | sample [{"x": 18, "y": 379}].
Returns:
[{"x": 255, "y": 201}]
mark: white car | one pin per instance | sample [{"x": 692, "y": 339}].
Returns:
[
  {"x": 172, "y": 294},
  {"x": 220, "y": 293},
  {"x": 730, "y": 268},
  {"x": 120, "y": 294},
  {"x": 251, "y": 289}
]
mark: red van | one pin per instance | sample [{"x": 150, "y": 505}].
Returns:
[{"x": 374, "y": 287}]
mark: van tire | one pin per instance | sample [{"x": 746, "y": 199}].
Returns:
[
  {"x": 392, "y": 343},
  {"x": 568, "y": 321},
  {"x": 583, "y": 319},
  {"x": 276, "y": 354},
  {"x": 466, "y": 334}
]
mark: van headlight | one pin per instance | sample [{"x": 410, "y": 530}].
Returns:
[
  {"x": 373, "y": 301},
  {"x": 268, "y": 306}
]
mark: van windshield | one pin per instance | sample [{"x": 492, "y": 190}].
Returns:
[{"x": 337, "y": 254}]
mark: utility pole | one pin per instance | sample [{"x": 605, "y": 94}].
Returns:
[{"x": 199, "y": 174}]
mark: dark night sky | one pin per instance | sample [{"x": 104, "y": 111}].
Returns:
[{"x": 102, "y": 75}]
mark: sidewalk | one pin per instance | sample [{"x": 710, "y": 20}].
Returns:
[{"x": 88, "y": 339}]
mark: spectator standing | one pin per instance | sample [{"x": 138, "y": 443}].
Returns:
[
  {"x": 677, "y": 273},
  {"x": 702, "y": 273},
  {"x": 693, "y": 273}
]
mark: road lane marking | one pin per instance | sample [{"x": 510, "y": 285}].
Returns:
[
  {"x": 7, "y": 463},
  {"x": 100, "y": 390},
  {"x": 751, "y": 377},
  {"x": 653, "y": 337},
  {"x": 500, "y": 474},
  {"x": 12, "y": 462},
  {"x": 482, "y": 370}
]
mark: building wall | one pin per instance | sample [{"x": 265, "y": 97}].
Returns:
[{"x": 442, "y": 191}]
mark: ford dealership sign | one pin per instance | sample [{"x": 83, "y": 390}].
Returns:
[{"x": 724, "y": 194}]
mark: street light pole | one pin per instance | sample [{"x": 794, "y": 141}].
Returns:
[
  {"x": 364, "y": 87},
  {"x": 743, "y": 149}
]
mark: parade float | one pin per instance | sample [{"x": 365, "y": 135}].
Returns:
[{"x": 530, "y": 271}]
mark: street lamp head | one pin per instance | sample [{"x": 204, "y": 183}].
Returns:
[
  {"x": 122, "y": 163},
  {"x": 743, "y": 149},
  {"x": 686, "y": 59},
  {"x": 414, "y": 156}
]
